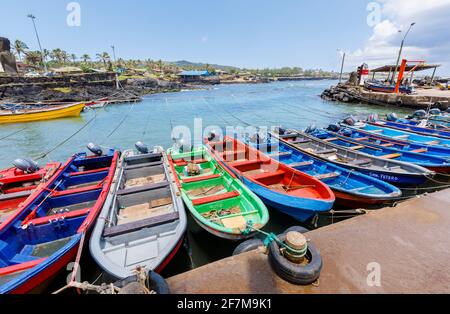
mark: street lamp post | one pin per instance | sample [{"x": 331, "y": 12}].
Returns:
[
  {"x": 114, "y": 52},
  {"x": 400, "y": 52},
  {"x": 32, "y": 17},
  {"x": 342, "y": 65}
]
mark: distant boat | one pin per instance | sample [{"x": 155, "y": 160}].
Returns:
[
  {"x": 216, "y": 199},
  {"x": 383, "y": 167},
  {"x": 292, "y": 192},
  {"x": 402, "y": 145},
  {"x": 39, "y": 114},
  {"x": 411, "y": 128},
  {"x": 143, "y": 221},
  {"x": 17, "y": 185},
  {"x": 406, "y": 136},
  {"x": 44, "y": 236},
  {"x": 432, "y": 163},
  {"x": 377, "y": 86},
  {"x": 352, "y": 189}
]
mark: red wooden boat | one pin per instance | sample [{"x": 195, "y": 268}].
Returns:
[
  {"x": 292, "y": 192},
  {"x": 17, "y": 185}
]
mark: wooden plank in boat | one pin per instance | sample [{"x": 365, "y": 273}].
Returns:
[
  {"x": 421, "y": 150},
  {"x": 149, "y": 164},
  {"x": 391, "y": 156},
  {"x": 143, "y": 188},
  {"x": 138, "y": 225},
  {"x": 361, "y": 139},
  {"x": 401, "y": 137},
  {"x": 286, "y": 136},
  {"x": 326, "y": 151},
  {"x": 301, "y": 164},
  {"x": 234, "y": 222},
  {"x": 297, "y": 142},
  {"x": 331, "y": 139},
  {"x": 215, "y": 198},
  {"x": 360, "y": 162},
  {"x": 281, "y": 154},
  {"x": 387, "y": 145},
  {"x": 327, "y": 176},
  {"x": 433, "y": 142},
  {"x": 356, "y": 147}
]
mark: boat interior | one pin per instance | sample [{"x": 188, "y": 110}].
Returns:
[
  {"x": 143, "y": 197},
  {"x": 52, "y": 220},
  {"x": 265, "y": 171},
  {"x": 213, "y": 192},
  {"x": 350, "y": 157}
]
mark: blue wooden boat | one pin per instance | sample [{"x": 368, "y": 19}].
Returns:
[
  {"x": 405, "y": 136},
  {"x": 44, "y": 236},
  {"x": 379, "y": 140},
  {"x": 290, "y": 191},
  {"x": 435, "y": 164},
  {"x": 352, "y": 189},
  {"x": 422, "y": 123},
  {"x": 378, "y": 86},
  {"x": 411, "y": 128},
  {"x": 391, "y": 171}
]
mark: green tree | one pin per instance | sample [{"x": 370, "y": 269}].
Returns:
[
  {"x": 105, "y": 58},
  {"x": 85, "y": 58},
  {"x": 20, "y": 47},
  {"x": 33, "y": 57}
]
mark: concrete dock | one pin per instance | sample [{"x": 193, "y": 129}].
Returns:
[{"x": 410, "y": 243}]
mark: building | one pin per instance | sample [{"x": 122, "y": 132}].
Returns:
[{"x": 198, "y": 77}]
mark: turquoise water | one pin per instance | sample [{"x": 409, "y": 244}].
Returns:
[{"x": 291, "y": 104}]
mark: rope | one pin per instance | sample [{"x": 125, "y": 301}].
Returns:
[
  {"x": 12, "y": 134},
  {"x": 43, "y": 155},
  {"x": 121, "y": 122}
]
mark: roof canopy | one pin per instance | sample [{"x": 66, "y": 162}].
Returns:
[
  {"x": 409, "y": 67},
  {"x": 195, "y": 73}
]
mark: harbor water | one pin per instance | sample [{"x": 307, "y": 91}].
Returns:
[{"x": 287, "y": 104}]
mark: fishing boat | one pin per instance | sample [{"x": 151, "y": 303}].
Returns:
[
  {"x": 405, "y": 136},
  {"x": 352, "y": 189},
  {"x": 18, "y": 183},
  {"x": 381, "y": 167},
  {"x": 38, "y": 114},
  {"x": 432, "y": 163},
  {"x": 290, "y": 191},
  {"x": 143, "y": 221},
  {"x": 47, "y": 233},
  {"x": 402, "y": 145},
  {"x": 422, "y": 124},
  {"x": 97, "y": 104},
  {"x": 378, "y": 86},
  {"x": 411, "y": 128},
  {"x": 215, "y": 197}
]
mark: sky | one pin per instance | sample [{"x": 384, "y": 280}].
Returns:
[{"x": 243, "y": 33}]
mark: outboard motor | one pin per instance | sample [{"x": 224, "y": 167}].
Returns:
[
  {"x": 96, "y": 149},
  {"x": 310, "y": 129},
  {"x": 371, "y": 118},
  {"x": 281, "y": 131},
  {"x": 141, "y": 147},
  {"x": 334, "y": 128},
  {"x": 448, "y": 110},
  {"x": 350, "y": 121},
  {"x": 392, "y": 117},
  {"x": 346, "y": 132},
  {"x": 435, "y": 112},
  {"x": 420, "y": 114},
  {"x": 26, "y": 165}
]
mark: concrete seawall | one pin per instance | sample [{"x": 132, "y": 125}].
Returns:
[{"x": 410, "y": 243}]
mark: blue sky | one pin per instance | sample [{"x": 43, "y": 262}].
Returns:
[{"x": 249, "y": 33}]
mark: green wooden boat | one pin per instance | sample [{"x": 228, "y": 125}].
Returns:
[{"x": 218, "y": 201}]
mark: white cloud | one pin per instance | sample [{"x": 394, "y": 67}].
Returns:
[{"x": 429, "y": 39}]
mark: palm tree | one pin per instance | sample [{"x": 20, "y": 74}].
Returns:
[
  {"x": 104, "y": 57},
  {"x": 73, "y": 57},
  {"x": 65, "y": 57},
  {"x": 33, "y": 57},
  {"x": 20, "y": 47},
  {"x": 57, "y": 54},
  {"x": 85, "y": 58}
]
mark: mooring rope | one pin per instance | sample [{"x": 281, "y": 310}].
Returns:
[
  {"x": 121, "y": 122},
  {"x": 12, "y": 134},
  {"x": 43, "y": 155}
]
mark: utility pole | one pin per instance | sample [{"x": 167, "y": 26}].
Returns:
[
  {"x": 342, "y": 65},
  {"x": 32, "y": 17},
  {"x": 400, "y": 52}
]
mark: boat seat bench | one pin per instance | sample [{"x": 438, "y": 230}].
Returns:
[
  {"x": 141, "y": 224},
  {"x": 143, "y": 188},
  {"x": 325, "y": 176},
  {"x": 149, "y": 164},
  {"x": 47, "y": 219},
  {"x": 297, "y": 142},
  {"x": 360, "y": 162},
  {"x": 246, "y": 163},
  {"x": 301, "y": 164},
  {"x": 421, "y": 150},
  {"x": 215, "y": 198},
  {"x": 391, "y": 156},
  {"x": 326, "y": 151},
  {"x": 81, "y": 173},
  {"x": 267, "y": 175},
  {"x": 201, "y": 178}
]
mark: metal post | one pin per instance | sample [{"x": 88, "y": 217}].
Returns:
[
  {"x": 114, "y": 53},
  {"x": 342, "y": 68},
  {"x": 432, "y": 76},
  {"x": 400, "y": 53},
  {"x": 32, "y": 17}
]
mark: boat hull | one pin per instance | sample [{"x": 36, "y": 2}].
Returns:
[
  {"x": 300, "y": 209},
  {"x": 54, "y": 113}
]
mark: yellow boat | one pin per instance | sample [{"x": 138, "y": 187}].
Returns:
[{"x": 30, "y": 115}]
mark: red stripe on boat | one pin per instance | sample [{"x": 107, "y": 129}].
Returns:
[{"x": 215, "y": 198}]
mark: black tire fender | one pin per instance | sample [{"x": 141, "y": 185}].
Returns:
[
  {"x": 293, "y": 273},
  {"x": 247, "y": 246},
  {"x": 155, "y": 282}
]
